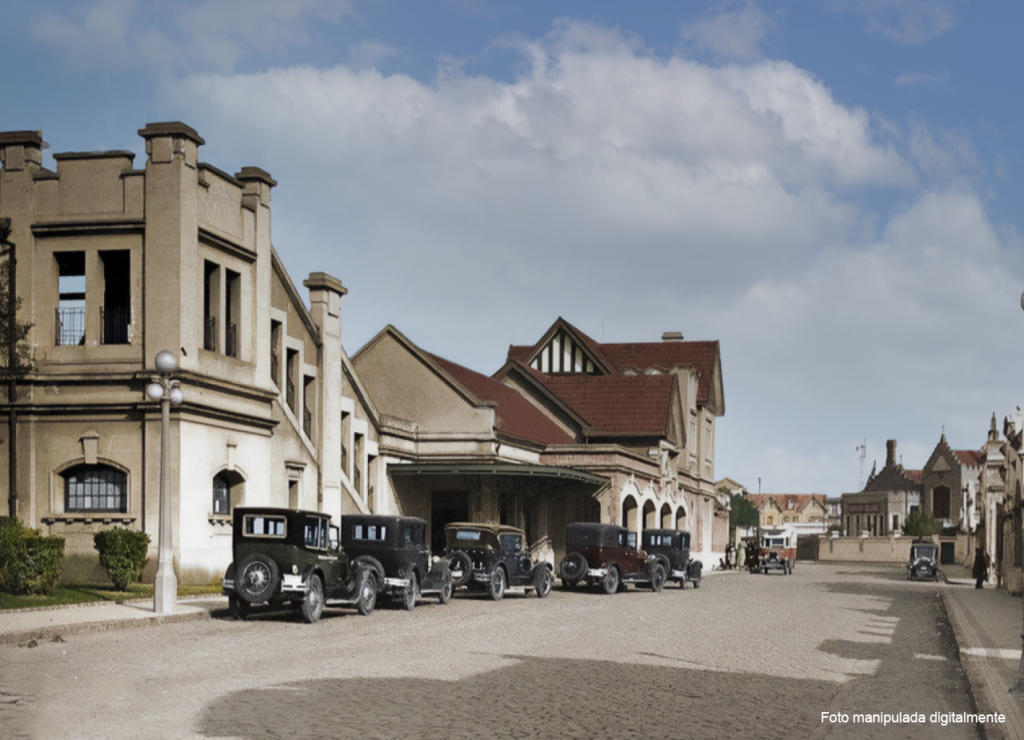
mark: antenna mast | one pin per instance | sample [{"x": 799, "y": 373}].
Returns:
[{"x": 863, "y": 450}]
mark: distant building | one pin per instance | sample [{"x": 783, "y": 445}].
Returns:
[
  {"x": 806, "y": 513},
  {"x": 888, "y": 498}
]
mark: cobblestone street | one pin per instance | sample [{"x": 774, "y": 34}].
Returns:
[{"x": 743, "y": 656}]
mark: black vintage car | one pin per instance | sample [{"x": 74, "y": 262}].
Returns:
[
  {"x": 292, "y": 557},
  {"x": 492, "y": 557},
  {"x": 395, "y": 548},
  {"x": 607, "y": 554},
  {"x": 924, "y": 561},
  {"x": 671, "y": 547}
]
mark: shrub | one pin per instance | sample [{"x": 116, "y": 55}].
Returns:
[
  {"x": 123, "y": 554},
  {"x": 29, "y": 562}
]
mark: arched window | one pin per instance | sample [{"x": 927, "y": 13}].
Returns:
[
  {"x": 99, "y": 488},
  {"x": 228, "y": 492}
]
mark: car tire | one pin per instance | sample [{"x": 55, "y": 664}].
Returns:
[
  {"x": 658, "y": 578},
  {"x": 410, "y": 592},
  {"x": 238, "y": 607},
  {"x": 573, "y": 567},
  {"x": 374, "y": 565},
  {"x": 460, "y": 562},
  {"x": 257, "y": 578},
  {"x": 313, "y": 602},
  {"x": 444, "y": 596},
  {"x": 496, "y": 588},
  {"x": 366, "y": 590},
  {"x": 542, "y": 580},
  {"x": 610, "y": 582}
]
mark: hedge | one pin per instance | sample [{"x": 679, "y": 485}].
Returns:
[
  {"x": 123, "y": 553},
  {"x": 29, "y": 562}
]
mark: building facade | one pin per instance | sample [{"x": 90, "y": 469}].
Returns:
[
  {"x": 117, "y": 263},
  {"x": 888, "y": 498}
]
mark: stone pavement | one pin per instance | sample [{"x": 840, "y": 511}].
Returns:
[
  {"x": 988, "y": 625},
  {"x": 22, "y": 626}
]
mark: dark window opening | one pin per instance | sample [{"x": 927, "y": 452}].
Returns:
[
  {"x": 346, "y": 429},
  {"x": 98, "y": 488},
  {"x": 70, "y": 318},
  {"x": 275, "y": 352},
  {"x": 940, "y": 503},
  {"x": 308, "y": 404},
  {"x": 211, "y": 305},
  {"x": 115, "y": 314},
  {"x": 292, "y": 370},
  {"x": 357, "y": 465},
  {"x": 232, "y": 311}
]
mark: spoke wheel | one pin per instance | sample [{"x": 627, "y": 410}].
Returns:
[
  {"x": 410, "y": 593},
  {"x": 542, "y": 581},
  {"x": 497, "y": 586},
  {"x": 367, "y": 592},
  {"x": 610, "y": 582},
  {"x": 313, "y": 602}
]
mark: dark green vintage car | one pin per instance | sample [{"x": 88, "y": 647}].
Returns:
[
  {"x": 492, "y": 557},
  {"x": 288, "y": 557}
]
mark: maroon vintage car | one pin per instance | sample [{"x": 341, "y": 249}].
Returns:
[{"x": 607, "y": 554}]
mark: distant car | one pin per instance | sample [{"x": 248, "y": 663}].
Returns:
[
  {"x": 395, "y": 549},
  {"x": 607, "y": 555},
  {"x": 777, "y": 551},
  {"x": 671, "y": 547},
  {"x": 292, "y": 557},
  {"x": 924, "y": 561},
  {"x": 493, "y": 557}
]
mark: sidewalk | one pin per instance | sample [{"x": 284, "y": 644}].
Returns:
[
  {"x": 23, "y": 626},
  {"x": 987, "y": 624}
]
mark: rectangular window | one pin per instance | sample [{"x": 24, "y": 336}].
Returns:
[
  {"x": 275, "y": 352},
  {"x": 291, "y": 387},
  {"x": 264, "y": 526},
  {"x": 357, "y": 465},
  {"x": 95, "y": 488},
  {"x": 115, "y": 314},
  {"x": 232, "y": 311},
  {"x": 211, "y": 306},
  {"x": 70, "y": 318},
  {"x": 308, "y": 404}
]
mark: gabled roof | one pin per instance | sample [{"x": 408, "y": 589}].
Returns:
[
  {"x": 968, "y": 458},
  {"x": 616, "y": 403}
]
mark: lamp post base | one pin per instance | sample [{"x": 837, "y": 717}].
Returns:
[{"x": 165, "y": 592}]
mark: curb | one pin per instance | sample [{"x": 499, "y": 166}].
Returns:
[
  {"x": 57, "y": 633},
  {"x": 980, "y": 682}
]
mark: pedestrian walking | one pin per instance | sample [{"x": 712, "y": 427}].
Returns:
[
  {"x": 741, "y": 554},
  {"x": 980, "y": 570}
]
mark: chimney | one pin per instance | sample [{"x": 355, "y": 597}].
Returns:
[
  {"x": 890, "y": 453},
  {"x": 22, "y": 149},
  {"x": 672, "y": 336}
]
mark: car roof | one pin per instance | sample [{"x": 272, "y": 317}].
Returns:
[
  {"x": 277, "y": 511},
  {"x": 381, "y": 518},
  {"x": 495, "y": 528}
]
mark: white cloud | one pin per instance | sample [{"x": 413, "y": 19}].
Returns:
[
  {"x": 641, "y": 194},
  {"x": 113, "y": 34},
  {"x": 911, "y": 22},
  {"x": 730, "y": 30}
]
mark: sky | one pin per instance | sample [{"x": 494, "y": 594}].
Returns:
[{"x": 829, "y": 189}]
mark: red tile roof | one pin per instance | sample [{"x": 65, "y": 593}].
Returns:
[
  {"x": 631, "y": 405},
  {"x": 515, "y": 416},
  {"x": 968, "y": 458},
  {"x": 917, "y": 476}
]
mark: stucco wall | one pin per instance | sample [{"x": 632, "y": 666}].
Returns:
[{"x": 865, "y": 549}]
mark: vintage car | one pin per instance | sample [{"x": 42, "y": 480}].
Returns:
[
  {"x": 493, "y": 557},
  {"x": 395, "y": 549},
  {"x": 607, "y": 554},
  {"x": 924, "y": 561},
  {"x": 777, "y": 550},
  {"x": 290, "y": 557},
  {"x": 671, "y": 547}
]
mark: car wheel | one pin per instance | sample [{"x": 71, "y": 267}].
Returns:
[
  {"x": 313, "y": 602},
  {"x": 257, "y": 578},
  {"x": 497, "y": 585},
  {"x": 367, "y": 585},
  {"x": 238, "y": 607},
  {"x": 445, "y": 594},
  {"x": 573, "y": 567},
  {"x": 658, "y": 578},
  {"x": 373, "y": 565},
  {"x": 460, "y": 563},
  {"x": 410, "y": 592},
  {"x": 696, "y": 581},
  {"x": 569, "y": 585},
  {"x": 542, "y": 579},
  {"x": 610, "y": 582}
]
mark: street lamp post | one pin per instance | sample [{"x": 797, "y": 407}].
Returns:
[{"x": 167, "y": 391}]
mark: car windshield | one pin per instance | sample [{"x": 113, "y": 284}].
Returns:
[
  {"x": 315, "y": 532},
  {"x": 774, "y": 542},
  {"x": 468, "y": 535},
  {"x": 627, "y": 539},
  {"x": 923, "y": 551}
]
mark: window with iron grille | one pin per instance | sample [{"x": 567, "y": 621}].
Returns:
[{"x": 99, "y": 488}]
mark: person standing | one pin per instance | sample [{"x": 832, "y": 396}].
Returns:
[{"x": 980, "y": 570}]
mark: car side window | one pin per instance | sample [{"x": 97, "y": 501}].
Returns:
[{"x": 511, "y": 543}]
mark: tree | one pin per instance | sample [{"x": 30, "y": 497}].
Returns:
[
  {"x": 742, "y": 514},
  {"x": 919, "y": 525}
]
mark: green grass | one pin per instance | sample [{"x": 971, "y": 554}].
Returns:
[{"x": 65, "y": 595}]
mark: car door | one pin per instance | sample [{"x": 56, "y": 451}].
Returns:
[{"x": 513, "y": 549}]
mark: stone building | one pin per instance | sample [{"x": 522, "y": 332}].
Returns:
[
  {"x": 116, "y": 263},
  {"x": 807, "y": 513},
  {"x": 568, "y": 429},
  {"x": 888, "y": 498},
  {"x": 949, "y": 487}
]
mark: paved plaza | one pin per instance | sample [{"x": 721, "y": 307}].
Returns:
[{"x": 743, "y": 656}]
